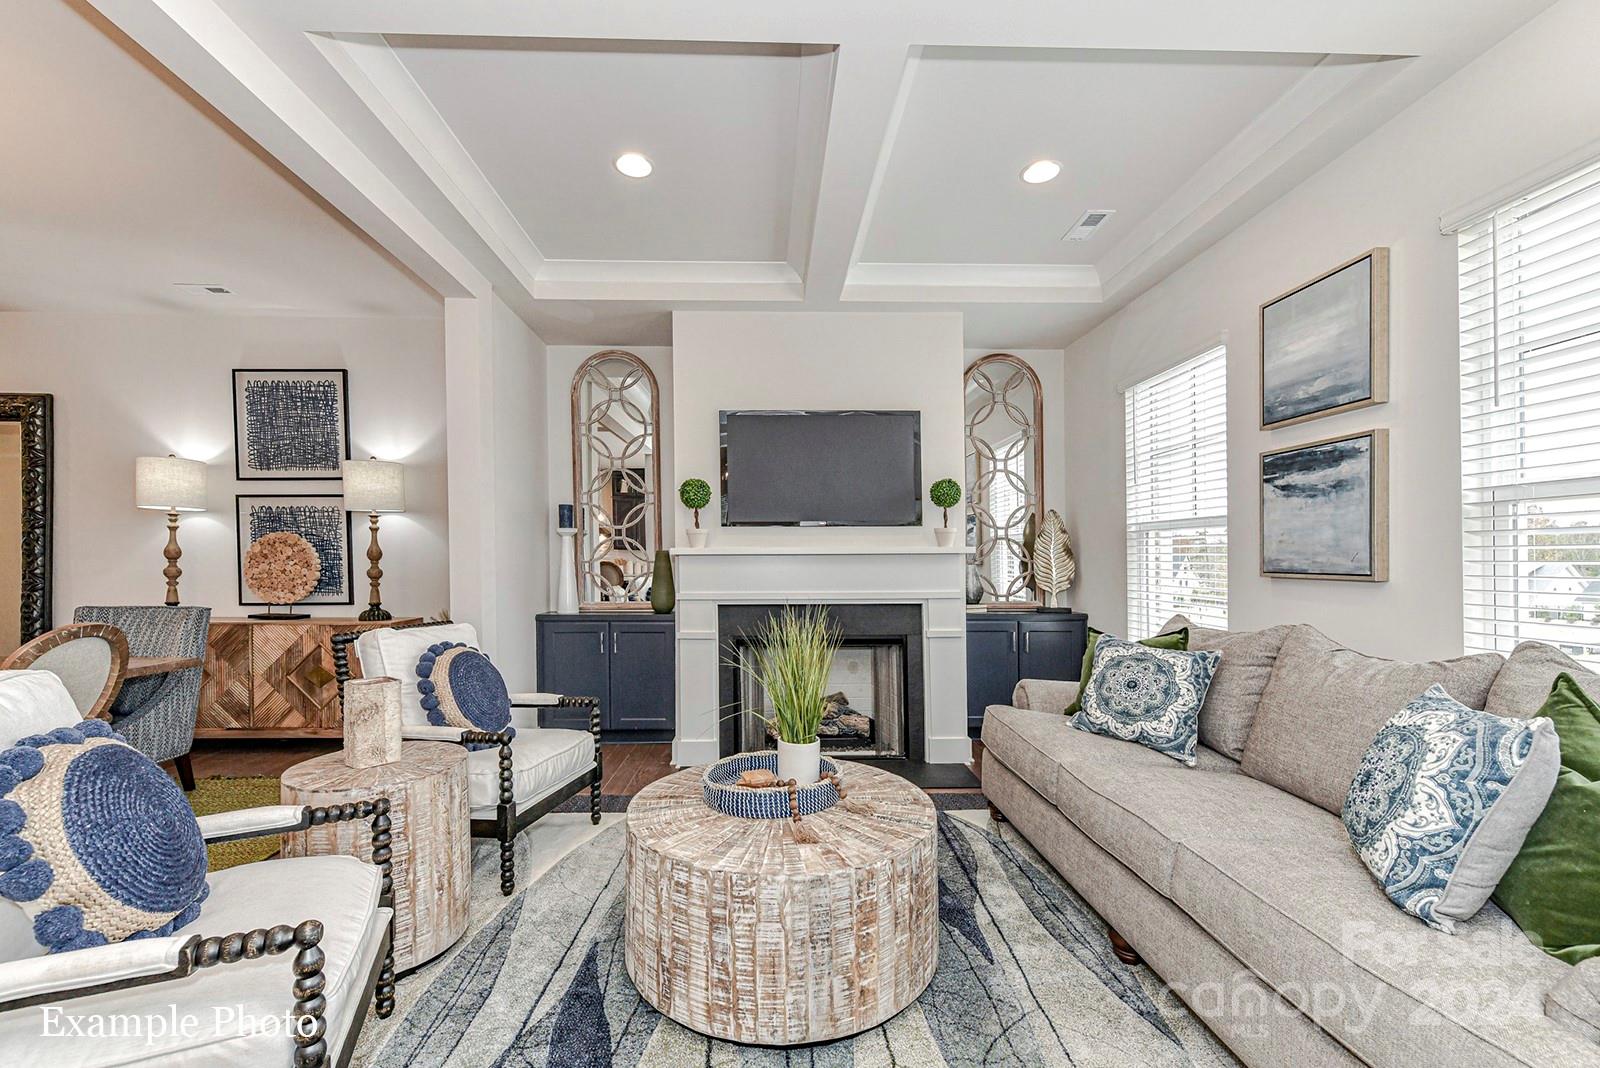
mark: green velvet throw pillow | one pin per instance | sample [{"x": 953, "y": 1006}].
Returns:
[
  {"x": 1178, "y": 639},
  {"x": 1552, "y": 889}
]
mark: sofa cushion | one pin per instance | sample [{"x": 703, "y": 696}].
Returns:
[
  {"x": 1135, "y": 803},
  {"x": 1148, "y": 696},
  {"x": 1324, "y": 704},
  {"x": 541, "y": 760},
  {"x": 1525, "y": 679},
  {"x": 1235, "y": 693},
  {"x": 1442, "y": 801},
  {"x": 341, "y": 892},
  {"x": 1175, "y": 640},
  {"x": 1575, "y": 1000},
  {"x": 1303, "y": 914},
  {"x": 33, "y": 702}
]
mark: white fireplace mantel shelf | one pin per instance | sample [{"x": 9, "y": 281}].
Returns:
[{"x": 853, "y": 549}]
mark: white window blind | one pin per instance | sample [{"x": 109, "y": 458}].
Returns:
[
  {"x": 1530, "y": 420},
  {"x": 1177, "y": 459}
]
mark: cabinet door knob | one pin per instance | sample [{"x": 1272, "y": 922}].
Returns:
[
  {"x": 1013, "y": 641},
  {"x": 602, "y": 642},
  {"x": 613, "y": 642},
  {"x": 1027, "y": 642}
]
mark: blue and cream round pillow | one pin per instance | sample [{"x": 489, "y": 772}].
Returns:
[
  {"x": 97, "y": 843},
  {"x": 460, "y": 688}
]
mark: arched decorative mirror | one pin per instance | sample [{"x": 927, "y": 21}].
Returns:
[
  {"x": 1005, "y": 478},
  {"x": 616, "y": 478}
]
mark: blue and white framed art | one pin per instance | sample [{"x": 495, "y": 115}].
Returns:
[
  {"x": 290, "y": 424},
  {"x": 319, "y": 518},
  {"x": 1325, "y": 344},
  {"x": 1325, "y": 509}
]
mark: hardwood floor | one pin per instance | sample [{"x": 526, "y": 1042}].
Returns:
[{"x": 627, "y": 768}]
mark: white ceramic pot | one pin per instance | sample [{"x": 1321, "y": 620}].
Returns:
[
  {"x": 697, "y": 538},
  {"x": 800, "y": 762},
  {"x": 944, "y": 536}
]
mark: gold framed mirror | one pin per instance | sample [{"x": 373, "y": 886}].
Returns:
[
  {"x": 616, "y": 479},
  {"x": 1004, "y": 408}
]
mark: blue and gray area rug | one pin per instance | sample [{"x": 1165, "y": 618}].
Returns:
[{"x": 1026, "y": 978}]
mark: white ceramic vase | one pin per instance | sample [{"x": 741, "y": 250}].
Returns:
[
  {"x": 801, "y": 762},
  {"x": 944, "y": 536},
  {"x": 697, "y": 537}
]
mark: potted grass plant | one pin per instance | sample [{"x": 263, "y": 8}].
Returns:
[{"x": 789, "y": 657}]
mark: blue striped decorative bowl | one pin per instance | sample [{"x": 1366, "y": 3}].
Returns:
[{"x": 767, "y": 802}]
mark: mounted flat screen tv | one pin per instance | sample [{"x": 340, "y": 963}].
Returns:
[{"x": 847, "y": 469}]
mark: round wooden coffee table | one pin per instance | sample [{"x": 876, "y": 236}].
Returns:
[
  {"x": 737, "y": 931},
  {"x": 431, "y": 840}
]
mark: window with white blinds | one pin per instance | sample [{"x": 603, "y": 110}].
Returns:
[
  {"x": 1530, "y": 420},
  {"x": 1177, "y": 457}
]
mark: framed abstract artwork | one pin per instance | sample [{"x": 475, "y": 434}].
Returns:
[
  {"x": 1325, "y": 509},
  {"x": 1325, "y": 344},
  {"x": 319, "y": 518},
  {"x": 290, "y": 424}
]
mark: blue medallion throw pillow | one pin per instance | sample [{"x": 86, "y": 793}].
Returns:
[
  {"x": 1442, "y": 801},
  {"x": 460, "y": 688},
  {"x": 97, "y": 843},
  {"x": 1149, "y": 696}
]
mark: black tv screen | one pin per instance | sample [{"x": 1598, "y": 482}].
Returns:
[{"x": 860, "y": 469}]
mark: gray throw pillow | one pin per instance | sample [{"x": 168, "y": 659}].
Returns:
[
  {"x": 1524, "y": 682},
  {"x": 1575, "y": 1000},
  {"x": 1442, "y": 801},
  {"x": 1149, "y": 696},
  {"x": 1241, "y": 678},
  {"x": 1324, "y": 704}
]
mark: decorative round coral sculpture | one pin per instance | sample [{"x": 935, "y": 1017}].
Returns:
[{"x": 282, "y": 568}]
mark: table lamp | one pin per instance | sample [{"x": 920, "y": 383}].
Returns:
[
  {"x": 170, "y": 484},
  {"x": 374, "y": 486}
]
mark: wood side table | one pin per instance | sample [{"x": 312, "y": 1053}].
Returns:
[
  {"x": 432, "y": 861},
  {"x": 736, "y": 930}
]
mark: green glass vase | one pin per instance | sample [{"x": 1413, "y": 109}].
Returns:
[{"x": 663, "y": 597}]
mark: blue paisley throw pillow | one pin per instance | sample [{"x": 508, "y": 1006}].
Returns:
[
  {"x": 1149, "y": 696},
  {"x": 1442, "y": 801},
  {"x": 97, "y": 843},
  {"x": 460, "y": 688}
]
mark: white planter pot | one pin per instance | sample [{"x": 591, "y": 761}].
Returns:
[
  {"x": 944, "y": 536},
  {"x": 802, "y": 763},
  {"x": 697, "y": 538}
]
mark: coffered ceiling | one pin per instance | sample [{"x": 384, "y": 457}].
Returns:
[{"x": 826, "y": 155}]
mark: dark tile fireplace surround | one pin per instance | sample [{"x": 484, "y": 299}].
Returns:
[{"x": 862, "y": 625}]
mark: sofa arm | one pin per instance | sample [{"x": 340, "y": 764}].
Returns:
[
  {"x": 115, "y": 962},
  {"x": 1575, "y": 1000},
  {"x": 1044, "y": 695},
  {"x": 252, "y": 822}
]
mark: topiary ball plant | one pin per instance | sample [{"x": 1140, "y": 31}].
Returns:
[
  {"x": 945, "y": 495},
  {"x": 695, "y": 495}
]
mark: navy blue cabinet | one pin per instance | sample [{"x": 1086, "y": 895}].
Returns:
[
  {"x": 626, "y": 661},
  {"x": 1003, "y": 649}
]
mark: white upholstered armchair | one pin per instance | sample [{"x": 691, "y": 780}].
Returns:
[
  {"x": 513, "y": 780},
  {"x": 278, "y": 969}
]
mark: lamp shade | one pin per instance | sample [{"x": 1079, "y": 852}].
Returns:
[
  {"x": 374, "y": 486},
  {"x": 169, "y": 484}
]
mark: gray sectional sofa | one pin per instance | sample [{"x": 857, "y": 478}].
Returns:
[{"x": 1235, "y": 880}]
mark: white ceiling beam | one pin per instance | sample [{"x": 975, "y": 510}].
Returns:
[
  {"x": 978, "y": 283},
  {"x": 666, "y": 280}
]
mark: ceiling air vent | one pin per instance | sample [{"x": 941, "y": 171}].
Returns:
[
  {"x": 204, "y": 287},
  {"x": 1086, "y": 225}
]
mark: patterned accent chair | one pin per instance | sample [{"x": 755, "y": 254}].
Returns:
[{"x": 157, "y": 713}]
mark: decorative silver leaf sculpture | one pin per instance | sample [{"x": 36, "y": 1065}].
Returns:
[{"x": 1054, "y": 567}]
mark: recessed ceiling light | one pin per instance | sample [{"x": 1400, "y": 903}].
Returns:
[
  {"x": 634, "y": 165},
  {"x": 1040, "y": 171}
]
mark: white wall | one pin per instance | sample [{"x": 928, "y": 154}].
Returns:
[
  {"x": 725, "y": 360},
  {"x": 128, "y": 386},
  {"x": 1530, "y": 100},
  {"x": 563, "y": 362}
]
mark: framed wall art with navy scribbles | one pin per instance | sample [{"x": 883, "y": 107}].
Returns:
[
  {"x": 319, "y": 518},
  {"x": 290, "y": 424}
]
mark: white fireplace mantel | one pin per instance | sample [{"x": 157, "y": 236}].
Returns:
[{"x": 933, "y": 577}]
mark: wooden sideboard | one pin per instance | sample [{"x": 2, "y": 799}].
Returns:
[{"x": 267, "y": 678}]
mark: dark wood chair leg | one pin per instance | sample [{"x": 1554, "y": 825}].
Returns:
[
  {"x": 995, "y": 814},
  {"x": 594, "y": 798},
  {"x": 185, "y": 772},
  {"x": 508, "y": 862},
  {"x": 1119, "y": 945},
  {"x": 383, "y": 997}
]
